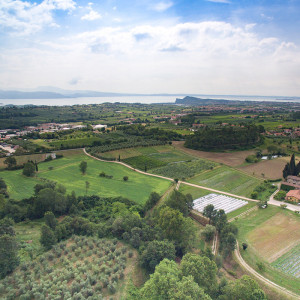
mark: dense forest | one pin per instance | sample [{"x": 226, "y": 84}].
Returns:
[{"x": 227, "y": 137}]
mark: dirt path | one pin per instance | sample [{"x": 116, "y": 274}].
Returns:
[
  {"x": 260, "y": 277},
  {"x": 237, "y": 252}
]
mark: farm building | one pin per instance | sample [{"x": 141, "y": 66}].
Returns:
[
  {"x": 228, "y": 204},
  {"x": 293, "y": 195},
  {"x": 295, "y": 180}
]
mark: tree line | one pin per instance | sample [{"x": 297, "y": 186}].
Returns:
[{"x": 224, "y": 137}]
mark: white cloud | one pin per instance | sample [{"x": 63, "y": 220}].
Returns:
[
  {"x": 162, "y": 6},
  {"x": 204, "y": 57},
  {"x": 25, "y": 17},
  {"x": 91, "y": 16}
]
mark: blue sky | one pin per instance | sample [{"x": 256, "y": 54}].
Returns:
[{"x": 149, "y": 46}]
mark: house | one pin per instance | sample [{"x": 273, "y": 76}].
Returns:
[
  {"x": 295, "y": 180},
  {"x": 293, "y": 195}
]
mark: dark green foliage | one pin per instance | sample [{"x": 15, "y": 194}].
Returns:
[
  {"x": 29, "y": 169},
  {"x": 208, "y": 232},
  {"x": 177, "y": 228},
  {"x": 8, "y": 247},
  {"x": 83, "y": 167},
  {"x": 11, "y": 162},
  {"x": 203, "y": 270},
  {"x": 48, "y": 238},
  {"x": 168, "y": 283},
  {"x": 181, "y": 202},
  {"x": 225, "y": 137},
  {"x": 244, "y": 288},
  {"x": 209, "y": 212},
  {"x": 50, "y": 220},
  {"x": 152, "y": 200},
  {"x": 155, "y": 252},
  {"x": 291, "y": 168},
  {"x": 125, "y": 178}
]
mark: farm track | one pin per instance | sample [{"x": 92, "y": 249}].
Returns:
[
  {"x": 244, "y": 213},
  {"x": 237, "y": 252},
  {"x": 262, "y": 278}
]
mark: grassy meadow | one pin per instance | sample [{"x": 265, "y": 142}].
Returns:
[
  {"x": 227, "y": 179},
  {"x": 66, "y": 171}
]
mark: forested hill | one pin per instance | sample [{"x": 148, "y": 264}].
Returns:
[
  {"x": 223, "y": 138},
  {"x": 188, "y": 100}
]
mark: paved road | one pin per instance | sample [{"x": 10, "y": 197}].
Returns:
[{"x": 278, "y": 203}]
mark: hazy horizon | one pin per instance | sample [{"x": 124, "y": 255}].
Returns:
[{"x": 210, "y": 47}]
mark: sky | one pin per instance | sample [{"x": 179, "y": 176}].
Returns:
[{"x": 219, "y": 47}]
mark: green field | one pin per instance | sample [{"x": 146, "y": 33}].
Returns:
[
  {"x": 66, "y": 172},
  {"x": 266, "y": 237},
  {"x": 195, "y": 192},
  {"x": 228, "y": 180}
]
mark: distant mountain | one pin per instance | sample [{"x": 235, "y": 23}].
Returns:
[
  {"x": 30, "y": 95},
  {"x": 188, "y": 100},
  {"x": 49, "y": 92}
]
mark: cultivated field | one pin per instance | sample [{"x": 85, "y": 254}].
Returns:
[
  {"x": 66, "y": 172},
  {"x": 183, "y": 170},
  {"x": 271, "y": 234},
  {"x": 275, "y": 236},
  {"x": 269, "y": 169},
  {"x": 228, "y": 180},
  {"x": 78, "y": 268},
  {"x": 289, "y": 263},
  {"x": 232, "y": 159}
]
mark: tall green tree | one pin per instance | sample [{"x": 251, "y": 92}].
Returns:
[
  {"x": 10, "y": 162},
  {"x": 203, "y": 270},
  {"x": 152, "y": 200},
  {"x": 167, "y": 283},
  {"x": 210, "y": 212},
  {"x": 244, "y": 288},
  {"x": 155, "y": 252},
  {"x": 48, "y": 238},
  {"x": 29, "y": 169},
  {"x": 8, "y": 247},
  {"x": 83, "y": 167},
  {"x": 50, "y": 220},
  {"x": 181, "y": 202}
]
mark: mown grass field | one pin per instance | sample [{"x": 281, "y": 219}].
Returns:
[
  {"x": 66, "y": 172},
  {"x": 269, "y": 232},
  {"x": 227, "y": 179}
]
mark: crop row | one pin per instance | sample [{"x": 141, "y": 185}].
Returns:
[
  {"x": 290, "y": 263},
  {"x": 182, "y": 170},
  {"x": 79, "y": 268}
]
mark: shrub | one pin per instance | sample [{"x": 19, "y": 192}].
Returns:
[
  {"x": 111, "y": 288},
  {"x": 125, "y": 178}
]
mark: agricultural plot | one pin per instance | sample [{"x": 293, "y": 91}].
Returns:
[
  {"x": 66, "y": 172},
  {"x": 79, "y": 268},
  {"x": 271, "y": 234},
  {"x": 270, "y": 169},
  {"x": 143, "y": 162},
  {"x": 289, "y": 263},
  {"x": 275, "y": 236},
  {"x": 183, "y": 170},
  {"x": 228, "y": 204},
  {"x": 228, "y": 180}
]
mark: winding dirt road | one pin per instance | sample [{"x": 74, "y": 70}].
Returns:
[{"x": 237, "y": 251}]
